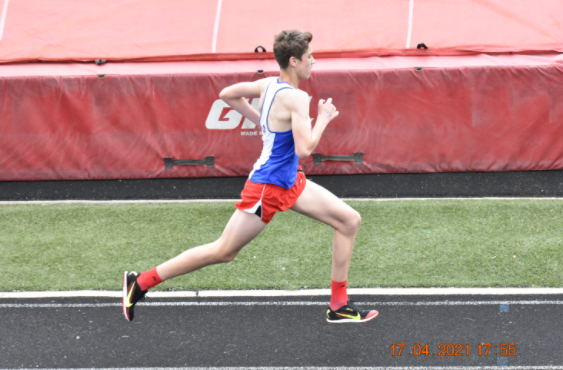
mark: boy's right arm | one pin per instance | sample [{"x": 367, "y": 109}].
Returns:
[
  {"x": 235, "y": 95},
  {"x": 307, "y": 138}
]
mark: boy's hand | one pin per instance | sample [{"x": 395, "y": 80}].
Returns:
[{"x": 327, "y": 111}]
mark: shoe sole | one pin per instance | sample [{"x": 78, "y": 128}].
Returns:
[
  {"x": 343, "y": 321},
  {"x": 123, "y": 304}
]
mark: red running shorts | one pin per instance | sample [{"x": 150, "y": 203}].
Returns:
[{"x": 264, "y": 200}]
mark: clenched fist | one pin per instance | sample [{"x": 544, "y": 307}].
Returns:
[{"x": 327, "y": 110}]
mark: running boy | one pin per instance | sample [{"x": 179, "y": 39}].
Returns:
[{"x": 276, "y": 183}]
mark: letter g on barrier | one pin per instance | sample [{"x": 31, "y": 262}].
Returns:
[{"x": 222, "y": 117}]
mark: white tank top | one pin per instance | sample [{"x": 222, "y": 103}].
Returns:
[{"x": 278, "y": 163}]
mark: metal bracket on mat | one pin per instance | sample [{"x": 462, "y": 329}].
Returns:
[
  {"x": 357, "y": 158},
  {"x": 169, "y": 163}
]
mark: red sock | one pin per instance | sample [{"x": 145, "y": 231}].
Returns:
[
  {"x": 339, "y": 296},
  {"x": 148, "y": 279}
]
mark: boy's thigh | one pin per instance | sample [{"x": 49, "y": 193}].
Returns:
[
  {"x": 241, "y": 229},
  {"x": 320, "y": 204}
]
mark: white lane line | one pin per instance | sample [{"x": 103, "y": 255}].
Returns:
[
  {"x": 411, "y": 11},
  {"x": 277, "y": 304},
  {"x": 549, "y": 367},
  {"x": 150, "y": 201},
  {"x": 380, "y": 291},
  {"x": 292, "y": 293},
  {"x": 94, "y": 294},
  {"x": 216, "y": 28},
  {"x": 3, "y": 20}
]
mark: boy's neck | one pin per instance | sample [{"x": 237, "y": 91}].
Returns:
[{"x": 289, "y": 76}]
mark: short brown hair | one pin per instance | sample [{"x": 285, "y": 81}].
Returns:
[{"x": 291, "y": 44}]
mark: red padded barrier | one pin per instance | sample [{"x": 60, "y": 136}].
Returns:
[{"x": 472, "y": 113}]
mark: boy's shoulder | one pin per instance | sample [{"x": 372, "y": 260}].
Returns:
[{"x": 294, "y": 96}]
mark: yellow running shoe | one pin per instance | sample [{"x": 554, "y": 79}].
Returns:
[
  {"x": 350, "y": 313},
  {"x": 131, "y": 293}
]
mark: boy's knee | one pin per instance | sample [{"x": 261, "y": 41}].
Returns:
[
  {"x": 222, "y": 256},
  {"x": 352, "y": 223},
  {"x": 355, "y": 220},
  {"x": 228, "y": 257}
]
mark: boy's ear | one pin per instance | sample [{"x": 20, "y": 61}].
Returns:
[{"x": 293, "y": 61}]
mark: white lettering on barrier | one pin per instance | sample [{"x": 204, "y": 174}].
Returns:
[
  {"x": 223, "y": 117},
  {"x": 248, "y": 124},
  {"x": 251, "y": 133}
]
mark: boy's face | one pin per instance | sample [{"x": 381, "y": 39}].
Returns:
[{"x": 303, "y": 67}]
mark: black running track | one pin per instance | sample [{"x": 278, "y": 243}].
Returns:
[
  {"x": 292, "y": 332},
  {"x": 466, "y": 184}
]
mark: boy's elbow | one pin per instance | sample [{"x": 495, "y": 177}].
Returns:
[
  {"x": 226, "y": 93},
  {"x": 302, "y": 154}
]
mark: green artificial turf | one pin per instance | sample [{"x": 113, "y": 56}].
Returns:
[{"x": 411, "y": 243}]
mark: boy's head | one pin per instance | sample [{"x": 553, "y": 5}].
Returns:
[{"x": 292, "y": 44}]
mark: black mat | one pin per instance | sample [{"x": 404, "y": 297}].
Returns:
[{"x": 465, "y": 184}]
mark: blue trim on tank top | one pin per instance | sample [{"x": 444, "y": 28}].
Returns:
[
  {"x": 272, "y": 102},
  {"x": 268, "y": 115},
  {"x": 262, "y": 110},
  {"x": 283, "y": 82},
  {"x": 263, "y": 101}
]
